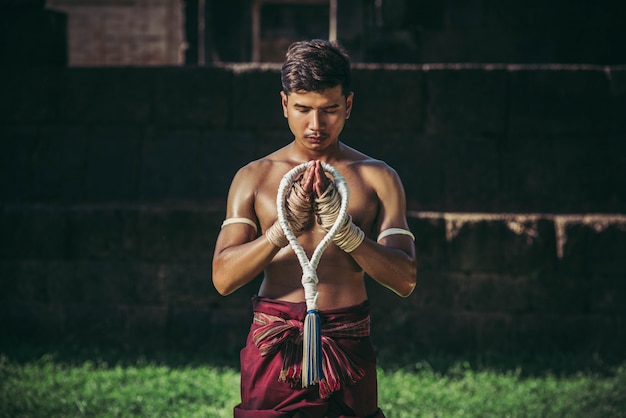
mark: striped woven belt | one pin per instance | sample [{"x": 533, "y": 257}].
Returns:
[{"x": 275, "y": 333}]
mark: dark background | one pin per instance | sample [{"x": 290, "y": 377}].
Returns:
[{"x": 505, "y": 120}]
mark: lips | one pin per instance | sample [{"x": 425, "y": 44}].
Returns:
[{"x": 316, "y": 138}]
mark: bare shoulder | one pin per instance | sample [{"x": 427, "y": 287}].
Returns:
[
  {"x": 254, "y": 185},
  {"x": 245, "y": 180},
  {"x": 373, "y": 170},
  {"x": 254, "y": 172},
  {"x": 245, "y": 187},
  {"x": 374, "y": 180}
]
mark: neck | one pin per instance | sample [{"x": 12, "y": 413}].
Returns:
[{"x": 327, "y": 155}]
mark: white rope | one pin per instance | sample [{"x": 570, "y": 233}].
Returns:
[
  {"x": 309, "y": 274},
  {"x": 312, "y": 370},
  {"x": 395, "y": 231},
  {"x": 246, "y": 221}
]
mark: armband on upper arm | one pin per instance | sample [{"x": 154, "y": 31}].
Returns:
[
  {"x": 247, "y": 221},
  {"x": 394, "y": 231}
]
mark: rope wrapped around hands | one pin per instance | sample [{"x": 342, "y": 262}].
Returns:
[
  {"x": 311, "y": 338},
  {"x": 349, "y": 236},
  {"x": 299, "y": 210},
  {"x": 299, "y": 207}
]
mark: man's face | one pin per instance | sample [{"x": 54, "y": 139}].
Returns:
[{"x": 317, "y": 118}]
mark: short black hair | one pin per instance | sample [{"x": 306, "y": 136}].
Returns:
[{"x": 316, "y": 65}]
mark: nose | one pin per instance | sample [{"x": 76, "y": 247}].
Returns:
[{"x": 316, "y": 120}]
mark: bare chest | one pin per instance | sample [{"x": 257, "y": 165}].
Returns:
[{"x": 363, "y": 204}]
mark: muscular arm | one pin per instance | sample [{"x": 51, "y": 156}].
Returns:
[
  {"x": 392, "y": 264},
  {"x": 230, "y": 272},
  {"x": 239, "y": 257},
  {"x": 392, "y": 261}
]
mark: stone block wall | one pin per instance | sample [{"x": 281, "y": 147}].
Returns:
[
  {"x": 113, "y": 185},
  {"x": 514, "y": 31}
]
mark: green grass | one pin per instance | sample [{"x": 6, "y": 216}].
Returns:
[
  {"x": 45, "y": 388},
  {"x": 463, "y": 392},
  {"x": 109, "y": 384}
]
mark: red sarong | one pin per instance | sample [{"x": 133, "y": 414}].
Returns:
[{"x": 270, "y": 385}]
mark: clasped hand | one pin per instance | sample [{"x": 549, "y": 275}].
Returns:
[{"x": 314, "y": 197}]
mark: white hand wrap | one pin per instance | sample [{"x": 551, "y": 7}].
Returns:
[
  {"x": 327, "y": 207},
  {"x": 299, "y": 210}
]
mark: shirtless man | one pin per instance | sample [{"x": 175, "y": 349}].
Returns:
[{"x": 316, "y": 101}]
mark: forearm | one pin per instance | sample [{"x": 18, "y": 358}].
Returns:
[
  {"x": 236, "y": 266},
  {"x": 391, "y": 267}
]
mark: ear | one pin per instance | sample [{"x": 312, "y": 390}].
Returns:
[
  {"x": 283, "y": 100},
  {"x": 349, "y": 104}
]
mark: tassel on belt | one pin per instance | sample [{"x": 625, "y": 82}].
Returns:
[{"x": 275, "y": 333}]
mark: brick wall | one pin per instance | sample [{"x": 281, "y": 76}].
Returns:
[
  {"x": 120, "y": 33},
  {"x": 114, "y": 180}
]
